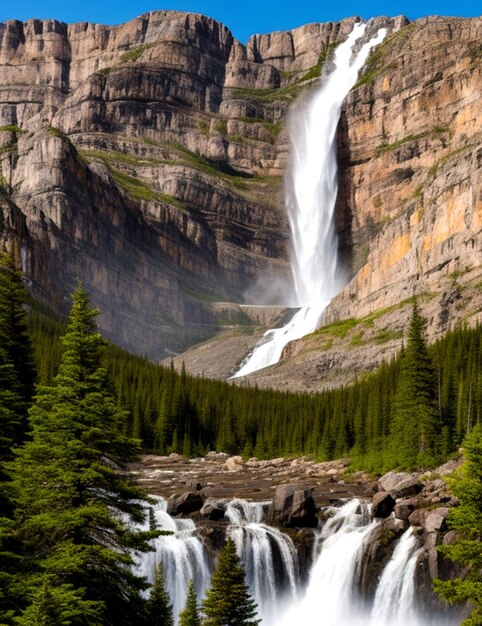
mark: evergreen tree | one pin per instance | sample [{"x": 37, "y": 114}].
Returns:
[
  {"x": 71, "y": 497},
  {"x": 228, "y": 602},
  {"x": 17, "y": 376},
  {"x": 415, "y": 409},
  {"x": 158, "y": 608},
  {"x": 467, "y": 520},
  {"x": 15, "y": 340},
  {"x": 190, "y": 615}
]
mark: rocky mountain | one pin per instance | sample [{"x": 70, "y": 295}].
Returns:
[{"x": 147, "y": 159}]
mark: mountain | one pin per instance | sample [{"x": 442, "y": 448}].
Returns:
[{"x": 147, "y": 159}]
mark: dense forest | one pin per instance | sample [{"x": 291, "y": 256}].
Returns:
[
  {"x": 73, "y": 410},
  {"x": 367, "y": 420}
]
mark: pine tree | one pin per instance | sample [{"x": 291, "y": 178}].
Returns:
[
  {"x": 467, "y": 520},
  {"x": 17, "y": 376},
  {"x": 71, "y": 497},
  {"x": 190, "y": 615},
  {"x": 228, "y": 602},
  {"x": 158, "y": 609},
  {"x": 415, "y": 410}
]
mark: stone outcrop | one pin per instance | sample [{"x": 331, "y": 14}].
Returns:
[{"x": 382, "y": 504}]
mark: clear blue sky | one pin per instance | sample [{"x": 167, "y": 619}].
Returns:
[{"x": 243, "y": 17}]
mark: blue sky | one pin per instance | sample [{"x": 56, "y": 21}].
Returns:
[{"x": 243, "y": 17}]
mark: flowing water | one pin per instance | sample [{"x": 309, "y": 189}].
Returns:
[
  {"x": 269, "y": 558},
  {"x": 394, "y": 597},
  {"x": 311, "y": 189},
  {"x": 182, "y": 555},
  {"x": 330, "y": 598}
]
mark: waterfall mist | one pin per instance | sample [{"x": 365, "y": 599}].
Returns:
[{"x": 310, "y": 192}]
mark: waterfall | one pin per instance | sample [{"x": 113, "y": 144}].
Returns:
[
  {"x": 330, "y": 587},
  {"x": 331, "y": 597},
  {"x": 311, "y": 189},
  {"x": 394, "y": 597},
  {"x": 182, "y": 556},
  {"x": 269, "y": 558}
]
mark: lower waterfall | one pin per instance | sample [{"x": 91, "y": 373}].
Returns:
[
  {"x": 268, "y": 556},
  {"x": 330, "y": 597},
  {"x": 182, "y": 555}
]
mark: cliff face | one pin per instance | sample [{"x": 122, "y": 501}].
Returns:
[
  {"x": 147, "y": 159},
  {"x": 410, "y": 160}
]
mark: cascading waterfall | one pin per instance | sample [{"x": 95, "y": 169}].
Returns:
[
  {"x": 269, "y": 558},
  {"x": 182, "y": 556},
  {"x": 332, "y": 576},
  {"x": 394, "y": 597},
  {"x": 311, "y": 190}
]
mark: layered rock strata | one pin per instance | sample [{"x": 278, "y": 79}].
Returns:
[{"x": 147, "y": 159}]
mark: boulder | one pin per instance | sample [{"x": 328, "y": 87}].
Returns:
[
  {"x": 406, "y": 488},
  {"x": 403, "y": 510},
  {"x": 435, "y": 520},
  {"x": 417, "y": 518},
  {"x": 234, "y": 464},
  {"x": 213, "y": 511},
  {"x": 389, "y": 480},
  {"x": 186, "y": 503},
  {"x": 217, "y": 456},
  {"x": 382, "y": 504},
  {"x": 376, "y": 553},
  {"x": 293, "y": 507}
]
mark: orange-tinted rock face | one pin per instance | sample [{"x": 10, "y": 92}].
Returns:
[
  {"x": 411, "y": 158},
  {"x": 147, "y": 159}
]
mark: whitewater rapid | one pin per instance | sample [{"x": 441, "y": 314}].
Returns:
[{"x": 310, "y": 193}]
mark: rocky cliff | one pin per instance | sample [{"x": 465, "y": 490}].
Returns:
[{"x": 147, "y": 159}]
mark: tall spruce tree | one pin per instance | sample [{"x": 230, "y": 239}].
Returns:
[
  {"x": 72, "y": 499},
  {"x": 189, "y": 616},
  {"x": 158, "y": 611},
  {"x": 466, "y": 519},
  {"x": 228, "y": 602},
  {"x": 415, "y": 413},
  {"x": 17, "y": 374}
]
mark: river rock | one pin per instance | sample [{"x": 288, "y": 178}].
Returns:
[
  {"x": 382, "y": 504},
  {"x": 293, "y": 506},
  {"x": 376, "y": 553},
  {"x": 234, "y": 463},
  {"x": 186, "y": 503},
  {"x": 213, "y": 511},
  {"x": 417, "y": 518}
]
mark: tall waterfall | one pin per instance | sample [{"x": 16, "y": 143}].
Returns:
[{"x": 311, "y": 189}]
